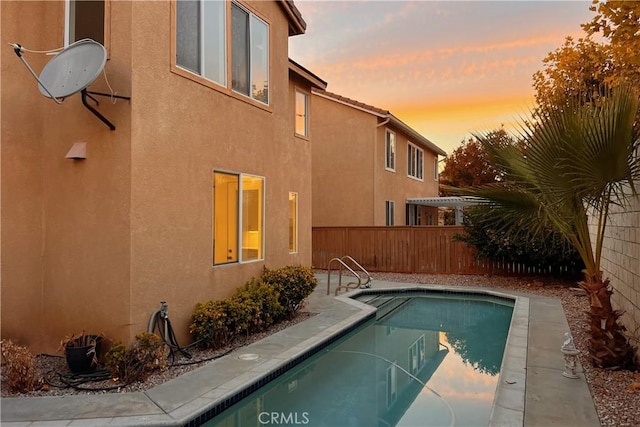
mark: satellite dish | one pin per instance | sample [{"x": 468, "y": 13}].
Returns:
[{"x": 73, "y": 69}]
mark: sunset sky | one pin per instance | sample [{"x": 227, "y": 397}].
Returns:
[{"x": 445, "y": 68}]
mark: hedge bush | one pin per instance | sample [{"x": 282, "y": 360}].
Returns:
[
  {"x": 256, "y": 305},
  {"x": 135, "y": 362},
  {"x": 294, "y": 282}
]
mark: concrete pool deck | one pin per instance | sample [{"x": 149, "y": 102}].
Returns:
[{"x": 549, "y": 398}]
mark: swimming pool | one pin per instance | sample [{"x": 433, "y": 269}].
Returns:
[{"x": 427, "y": 358}]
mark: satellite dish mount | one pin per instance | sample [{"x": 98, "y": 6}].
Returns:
[{"x": 71, "y": 71}]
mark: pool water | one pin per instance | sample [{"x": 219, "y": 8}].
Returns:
[{"x": 426, "y": 360}]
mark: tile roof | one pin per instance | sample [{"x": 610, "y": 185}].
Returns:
[
  {"x": 386, "y": 114},
  {"x": 353, "y": 102}
]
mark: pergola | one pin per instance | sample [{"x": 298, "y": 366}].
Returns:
[{"x": 455, "y": 202}]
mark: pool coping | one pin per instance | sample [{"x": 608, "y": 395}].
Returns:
[{"x": 185, "y": 399}]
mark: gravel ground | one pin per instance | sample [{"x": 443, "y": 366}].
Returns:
[{"x": 616, "y": 393}]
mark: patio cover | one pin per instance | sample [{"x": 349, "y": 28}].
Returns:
[{"x": 456, "y": 202}]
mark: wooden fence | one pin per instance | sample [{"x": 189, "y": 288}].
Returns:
[{"x": 426, "y": 249}]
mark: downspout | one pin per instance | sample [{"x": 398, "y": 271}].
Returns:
[{"x": 375, "y": 164}]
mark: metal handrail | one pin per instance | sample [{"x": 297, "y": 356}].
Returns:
[
  {"x": 340, "y": 285},
  {"x": 365, "y": 284},
  {"x": 342, "y": 263}
]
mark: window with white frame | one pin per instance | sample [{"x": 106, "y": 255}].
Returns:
[
  {"x": 293, "y": 222},
  {"x": 85, "y": 19},
  {"x": 435, "y": 168},
  {"x": 201, "y": 46},
  {"x": 390, "y": 150},
  {"x": 415, "y": 162},
  {"x": 238, "y": 217},
  {"x": 249, "y": 54},
  {"x": 201, "y": 38},
  {"x": 302, "y": 113},
  {"x": 390, "y": 212}
]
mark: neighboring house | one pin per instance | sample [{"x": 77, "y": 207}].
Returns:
[
  {"x": 621, "y": 263},
  {"x": 366, "y": 164},
  {"x": 204, "y": 182}
]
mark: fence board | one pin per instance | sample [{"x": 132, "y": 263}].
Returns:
[{"x": 425, "y": 249}]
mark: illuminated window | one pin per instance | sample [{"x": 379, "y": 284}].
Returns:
[
  {"x": 390, "y": 150},
  {"x": 293, "y": 222},
  {"x": 302, "y": 109},
  {"x": 238, "y": 218},
  {"x": 85, "y": 20}
]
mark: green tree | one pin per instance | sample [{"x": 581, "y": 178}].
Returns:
[{"x": 576, "y": 162}]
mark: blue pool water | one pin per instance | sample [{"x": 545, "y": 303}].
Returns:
[{"x": 426, "y": 360}]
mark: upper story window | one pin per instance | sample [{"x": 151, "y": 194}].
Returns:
[
  {"x": 85, "y": 19},
  {"x": 302, "y": 113},
  {"x": 435, "y": 168},
  {"x": 200, "y": 38},
  {"x": 415, "y": 162},
  {"x": 390, "y": 150},
  {"x": 201, "y": 46}
]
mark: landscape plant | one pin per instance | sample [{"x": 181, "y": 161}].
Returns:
[
  {"x": 135, "y": 362},
  {"x": 19, "y": 367},
  {"x": 294, "y": 283},
  {"x": 274, "y": 296},
  {"x": 575, "y": 163}
]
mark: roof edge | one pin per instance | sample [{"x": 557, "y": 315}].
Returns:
[
  {"x": 297, "y": 25},
  {"x": 307, "y": 75}
]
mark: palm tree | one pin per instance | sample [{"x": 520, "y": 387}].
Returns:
[{"x": 574, "y": 163}]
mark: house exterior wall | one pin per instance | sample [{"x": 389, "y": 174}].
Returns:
[
  {"x": 343, "y": 164},
  {"x": 621, "y": 262},
  {"x": 350, "y": 181},
  {"x": 396, "y": 185},
  {"x": 65, "y": 223},
  {"x": 97, "y": 244}
]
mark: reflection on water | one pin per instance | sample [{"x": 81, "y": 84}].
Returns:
[{"x": 431, "y": 361}]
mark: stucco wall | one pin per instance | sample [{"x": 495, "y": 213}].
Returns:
[
  {"x": 183, "y": 131},
  {"x": 65, "y": 223},
  {"x": 621, "y": 263},
  {"x": 350, "y": 181},
  {"x": 343, "y": 164},
  {"x": 96, "y": 244}
]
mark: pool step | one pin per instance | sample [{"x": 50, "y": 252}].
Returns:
[{"x": 386, "y": 304}]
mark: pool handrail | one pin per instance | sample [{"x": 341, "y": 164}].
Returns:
[
  {"x": 348, "y": 286},
  {"x": 365, "y": 284}
]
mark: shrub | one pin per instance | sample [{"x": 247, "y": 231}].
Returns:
[
  {"x": 210, "y": 323},
  {"x": 264, "y": 300},
  {"x": 294, "y": 283},
  {"x": 255, "y": 306},
  {"x": 19, "y": 367},
  {"x": 547, "y": 250},
  {"x": 147, "y": 354}
]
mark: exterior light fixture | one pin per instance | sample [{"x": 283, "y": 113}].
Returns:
[
  {"x": 78, "y": 151},
  {"x": 570, "y": 353}
]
